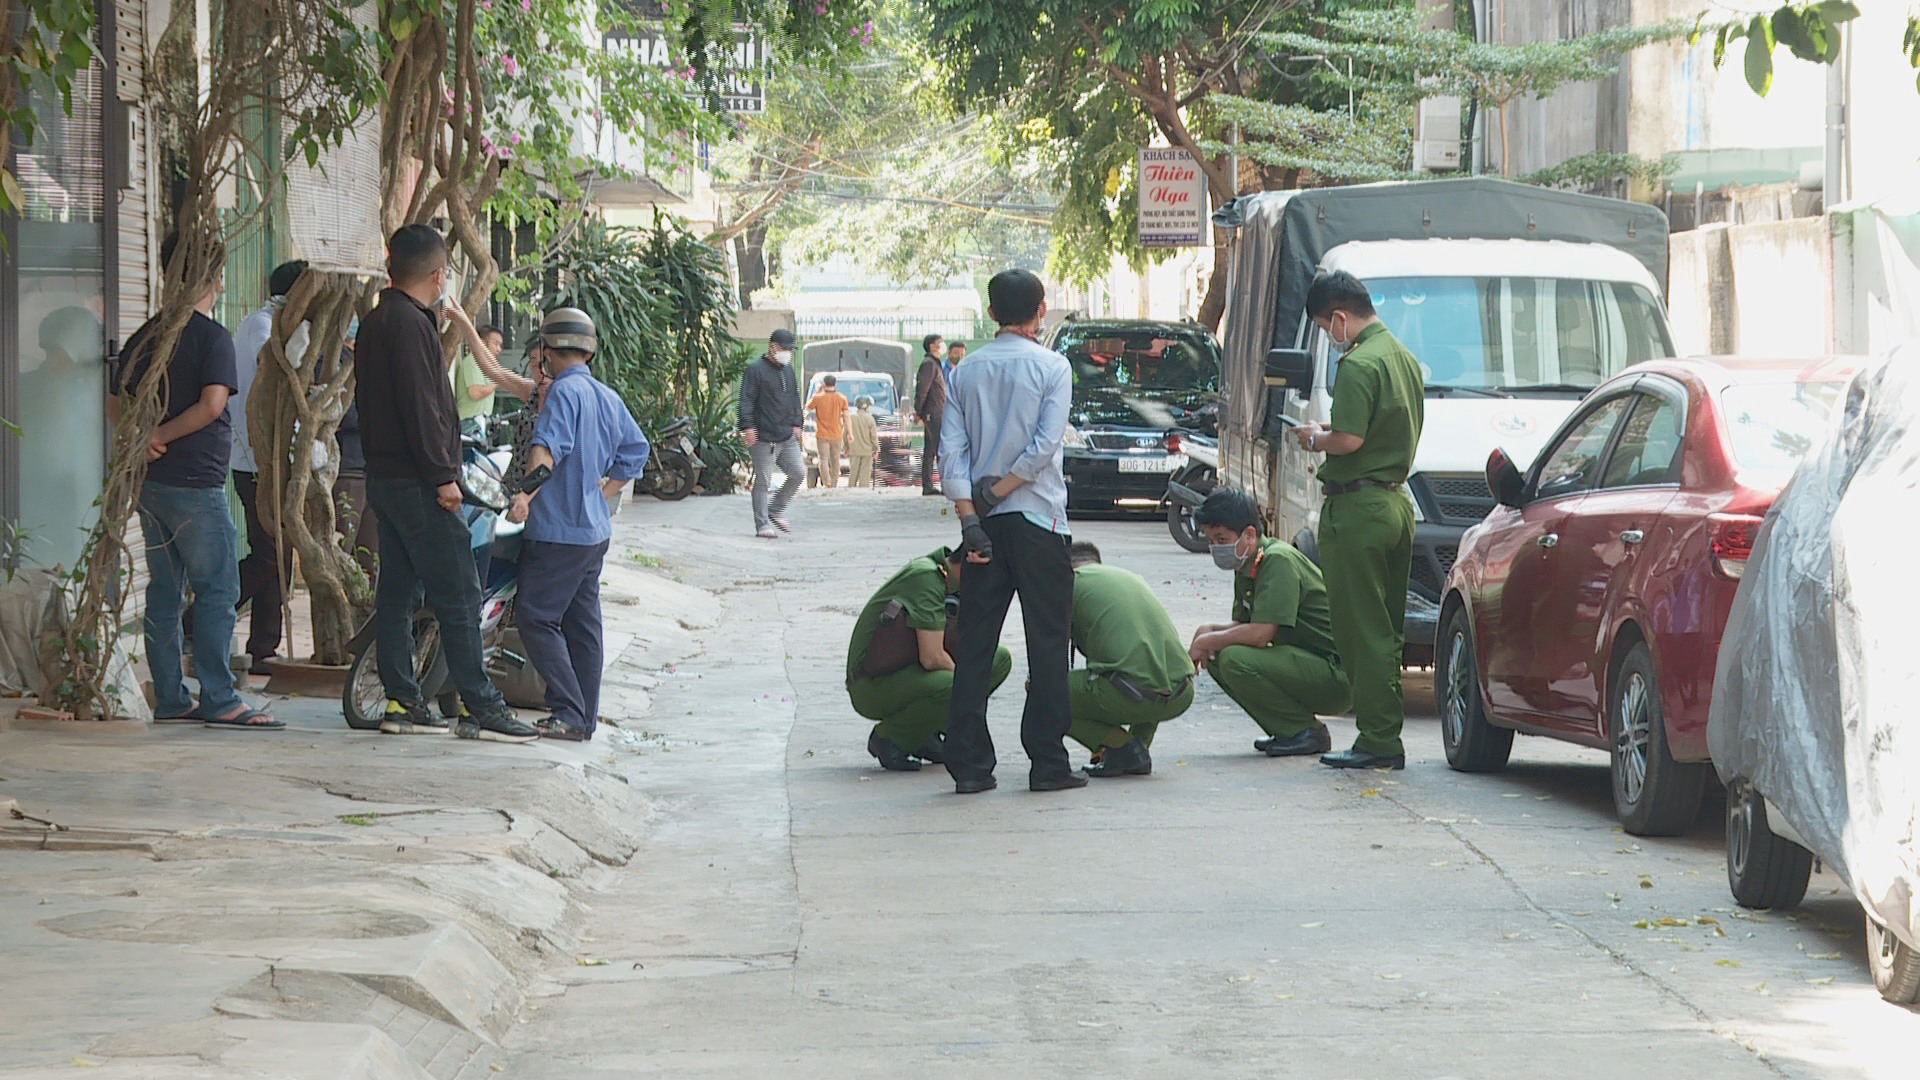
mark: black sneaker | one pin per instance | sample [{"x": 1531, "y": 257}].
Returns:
[
  {"x": 550, "y": 728},
  {"x": 1130, "y": 758},
  {"x": 890, "y": 757},
  {"x": 411, "y": 718},
  {"x": 495, "y": 723}
]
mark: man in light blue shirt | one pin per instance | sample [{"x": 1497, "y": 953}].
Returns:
[
  {"x": 1000, "y": 463},
  {"x": 586, "y": 446}
]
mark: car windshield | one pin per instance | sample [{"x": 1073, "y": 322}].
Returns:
[
  {"x": 854, "y": 387},
  {"x": 1138, "y": 358},
  {"x": 1771, "y": 426},
  {"x": 1514, "y": 333}
]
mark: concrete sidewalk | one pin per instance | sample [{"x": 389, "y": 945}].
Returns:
[{"x": 316, "y": 902}]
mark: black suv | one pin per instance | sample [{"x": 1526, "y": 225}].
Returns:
[{"x": 1135, "y": 381}]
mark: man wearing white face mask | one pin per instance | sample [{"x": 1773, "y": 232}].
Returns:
[
  {"x": 770, "y": 425},
  {"x": 1276, "y": 659}
]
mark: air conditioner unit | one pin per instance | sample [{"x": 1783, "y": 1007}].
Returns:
[{"x": 1436, "y": 135}]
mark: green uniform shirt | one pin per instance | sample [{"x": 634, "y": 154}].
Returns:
[
  {"x": 921, "y": 588},
  {"x": 467, "y": 374},
  {"x": 1283, "y": 587},
  {"x": 1379, "y": 395},
  {"x": 1119, "y": 625}
]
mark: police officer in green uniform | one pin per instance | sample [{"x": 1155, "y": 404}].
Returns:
[
  {"x": 909, "y": 703},
  {"x": 1276, "y": 659},
  {"x": 1366, "y": 520},
  {"x": 1137, "y": 675}
]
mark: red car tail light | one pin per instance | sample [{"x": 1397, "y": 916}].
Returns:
[
  {"x": 1732, "y": 537},
  {"x": 1173, "y": 444}
]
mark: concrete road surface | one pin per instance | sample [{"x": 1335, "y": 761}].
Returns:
[{"x": 797, "y": 912}]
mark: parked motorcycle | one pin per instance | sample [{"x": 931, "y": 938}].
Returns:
[
  {"x": 673, "y": 469},
  {"x": 1190, "y": 487},
  {"x": 495, "y": 548}
]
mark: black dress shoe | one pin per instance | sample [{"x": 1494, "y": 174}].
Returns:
[
  {"x": 974, "y": 787},
  {"x": 1360, "y": 759},
  {"x": 934, "y": 749},
  {"x": 1058, "y": 783},
  {"x": 1314, "y": 740},
  {"x": 891, "y": 757},
  {"x": 1128, "y": 759}
]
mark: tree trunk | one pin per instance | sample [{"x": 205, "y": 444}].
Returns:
[
  {"x": 298, "y": 401},
  {"x": 750, "y": 254},
  {"x": 1506, "y": 160},
  {"x": 1213, "y": 306}
]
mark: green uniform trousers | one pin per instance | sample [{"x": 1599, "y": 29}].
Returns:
[
  {"x": 910, "y": 705},
  {"x": 1366, "y": 552},
  {"x": 1283, "y": 687},
  {"x": 1103, "y": 716}
]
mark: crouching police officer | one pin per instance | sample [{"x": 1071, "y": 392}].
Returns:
[
  {"x": 900, "y": 661},
  {"x": 1137, "y": 675},
  {"x": 1276, "y": 659}
]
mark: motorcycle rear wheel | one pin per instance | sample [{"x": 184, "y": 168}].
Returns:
[{"x": 675, "y": 480}]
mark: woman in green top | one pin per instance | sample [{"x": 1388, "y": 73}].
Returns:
[{"x": 472, "y": 390}]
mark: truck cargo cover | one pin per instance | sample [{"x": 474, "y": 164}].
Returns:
[
  {"x": 1815, "y": 688},
  {"x": 1283, "y": 235}
]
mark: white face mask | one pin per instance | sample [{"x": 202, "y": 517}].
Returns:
[{"x": 782, "y": 356}]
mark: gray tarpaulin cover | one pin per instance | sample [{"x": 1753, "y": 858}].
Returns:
[{"x": 1817, "y": 684}]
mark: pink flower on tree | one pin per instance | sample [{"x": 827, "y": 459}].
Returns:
[
  {"x": 526, "y": 5},
  {"x": 511, "y": 65}
]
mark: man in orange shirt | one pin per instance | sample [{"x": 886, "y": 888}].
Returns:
[{"x": 829, "y": 409}]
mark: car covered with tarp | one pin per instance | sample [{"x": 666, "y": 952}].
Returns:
[{"x": 1812, "y": 723}]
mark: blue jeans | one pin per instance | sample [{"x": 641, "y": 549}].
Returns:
[
  {"x": 424, "y": 546},
  {"x": 190, "y": 542}
]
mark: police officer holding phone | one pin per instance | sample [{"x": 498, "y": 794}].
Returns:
[{"x": 1366, "y": 522}]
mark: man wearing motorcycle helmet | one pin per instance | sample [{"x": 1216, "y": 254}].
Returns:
[{"x": 586, "y": 445}]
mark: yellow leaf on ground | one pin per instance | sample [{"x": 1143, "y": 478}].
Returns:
[
  {"x": 1370, "y": 793},
  {"x": 1311, "y": 925},
  {"x": 1726, "y": 963},
  {"x": 585, "y": 962}
]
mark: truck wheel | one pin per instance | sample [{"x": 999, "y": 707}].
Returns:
[
  {"x": 1764, "y": 869},
  {"x": 1653, "y": 794},
  {"x": 1473, "y": 744},
  {"x": 1896, "y": 965}
]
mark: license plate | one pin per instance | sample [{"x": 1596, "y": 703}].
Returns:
[
  {"x": 686, "y": 445},
  {"x": 1146, "y": 464}
]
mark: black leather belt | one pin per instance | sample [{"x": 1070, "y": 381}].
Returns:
[
  {"x": 1133, "y": 691},
  {"x": 1356, "y": 485}
]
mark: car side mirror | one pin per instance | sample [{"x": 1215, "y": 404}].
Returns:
[
  {"x": 1290, "y": 369},
  {"x": 1504, "y": 479}
]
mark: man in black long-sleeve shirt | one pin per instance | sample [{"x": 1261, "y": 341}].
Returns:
[
  {"x": 410, "y": 434},
  {"x": 770, "y": 425}
]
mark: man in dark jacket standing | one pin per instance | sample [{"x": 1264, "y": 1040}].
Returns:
[
  {"x": 410, "y": 434},
  {"x": 930, "y": 404},
  {"x": 770, "y": 425}
]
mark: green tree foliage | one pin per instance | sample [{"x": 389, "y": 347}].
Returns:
[
  {"x": 43, "y": 44},
  {"x": 1810, "y": 31},
  {"x": 1395, "y": 57},
  {"x": 1085, "y": 84},
  {"x": 661, "y": 302}
]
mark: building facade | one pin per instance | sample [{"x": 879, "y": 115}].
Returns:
[{"x": 76, "y": 276}]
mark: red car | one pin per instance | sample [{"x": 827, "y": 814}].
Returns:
[{"x": 1588, "y": 606}]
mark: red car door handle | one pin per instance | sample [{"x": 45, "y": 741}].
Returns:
[
  {"x": 1632, "y": 537},
  {"x": 1549, "y": 540}
]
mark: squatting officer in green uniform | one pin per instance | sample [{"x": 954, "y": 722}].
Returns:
[
  {"x": 1276, "y": 659},
  {"x": 908, "y": 700},
  {"x": 1137, "y": 676},
  {"x": 1366, "y": 521}
]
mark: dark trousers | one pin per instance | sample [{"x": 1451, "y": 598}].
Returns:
[
  {"x": 262, "y": 576},
  {"x": 930, "y": 456},
  {"x": 558, "y": 609},
  {"x": 424, "y": 546},
  {"x": 1030, "y": 562}
]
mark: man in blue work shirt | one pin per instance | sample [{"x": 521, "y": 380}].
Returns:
[
  {"x": 586, "y": 446},
  {"x": 1000, "y": 463}
]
